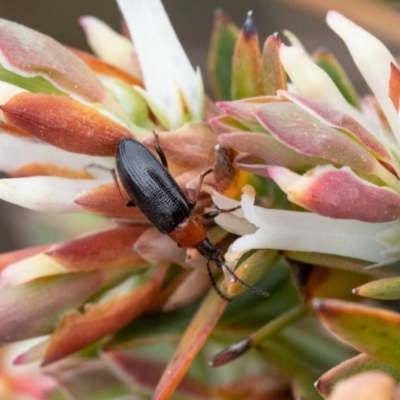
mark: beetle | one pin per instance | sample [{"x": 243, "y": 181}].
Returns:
[{"x": 155, "y": 192}]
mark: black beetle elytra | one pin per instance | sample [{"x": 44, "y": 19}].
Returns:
[{"x": 155, "y": 192}]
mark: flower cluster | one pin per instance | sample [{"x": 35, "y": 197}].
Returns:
[{"x": 314, "y": 168}]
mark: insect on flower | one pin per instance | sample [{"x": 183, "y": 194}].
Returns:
[{"x": 155, "y": 192}]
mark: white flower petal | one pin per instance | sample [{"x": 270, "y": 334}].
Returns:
[
  {"x": 45, "y": 193},
  {"x": 234, "y": 224},
  {"x": 314, "y": 83},
  {"x": 16, "y": 152},
  {"x": 372, "y": 59},
  {"x": 293, "y": 39},
  {"x": 109, "y": 45},
  {"x": 163, "y": 60},
  {"x": 303, "y": 231}
]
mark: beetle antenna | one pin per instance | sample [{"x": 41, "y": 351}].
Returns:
[
  {"x": 216, "y": 288},
  {"x": 242, "y": 282}
]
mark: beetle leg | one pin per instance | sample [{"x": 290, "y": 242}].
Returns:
[
  {"x": 160, "y": 152},
  {"x": 128, "y": 203},
  {"x": 98, "y": 166},
  {"x": 235, "y": 278},
  {"x": 215, "y": 213},
  {"x": 214, "y": 284},
  {"x": 192, "y": 203}
]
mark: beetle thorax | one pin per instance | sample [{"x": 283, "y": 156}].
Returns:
[{"x": 189, "y": 233}]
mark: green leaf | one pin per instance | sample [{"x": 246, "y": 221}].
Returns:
[
  {"x": 328, "y": 62},
  {"x": 373, "y": 331},
  {"x": 273, "y": 75},
  {"x": 334, "y": 261},
  {"x": 220, "y": 56},
  {"x": 246, "y": 79},
  {"x": 251, "y": 268},
  {"x": 383, "y": 289},
  {"x": 37, "y": 84}
]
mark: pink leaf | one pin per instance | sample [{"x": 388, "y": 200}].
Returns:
[{"x": 340, "y": 193}]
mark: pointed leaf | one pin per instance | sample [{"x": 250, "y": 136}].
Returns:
[
  {"x": 11, "y": 129},
  {"x": 243, "y": 112},
  {"x": 338, "y": 193},
  {"x": 219, "y": 63},
  {"x": 133, "y": 106},
  {"x": 35, "y": 308},
  {"x": 310, "y": 136},
  {"x": 344, "y": 122},
  {"x": 252, "y": 165},
  {"x": 103, "y": 68},
  {"x": 370, "y": 330},
  {"x": 112, "y": 248},
  {"x": 45, "y": 193},
  {"x": 268, "y": 149},
  {"x": 30, "y": 151},
  {"x": 110, "y": 46},
  {"x": 332, "y": 261},
  {"x": 78, "y": 330},
  {"x": 30, "y": 269},
  {"x": 65, "y": 123},
  {"x": 350, "y": 367},
  {"x": 273, "y": 75},
  {"x": 192, "y": 341},
  {"x": 18, "y": 255},
  {"x": 246, "y": 80},
  {"x": 384, "y": 289},
  {"x": 226, "y": 123},
  {"x": 372, "y": 58},
  {"x": 41, "y": 169},
  {"x": 105, "y": 200},
  {"x": 45, "y": 64},
  {"x": 308, "y": 80}
]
